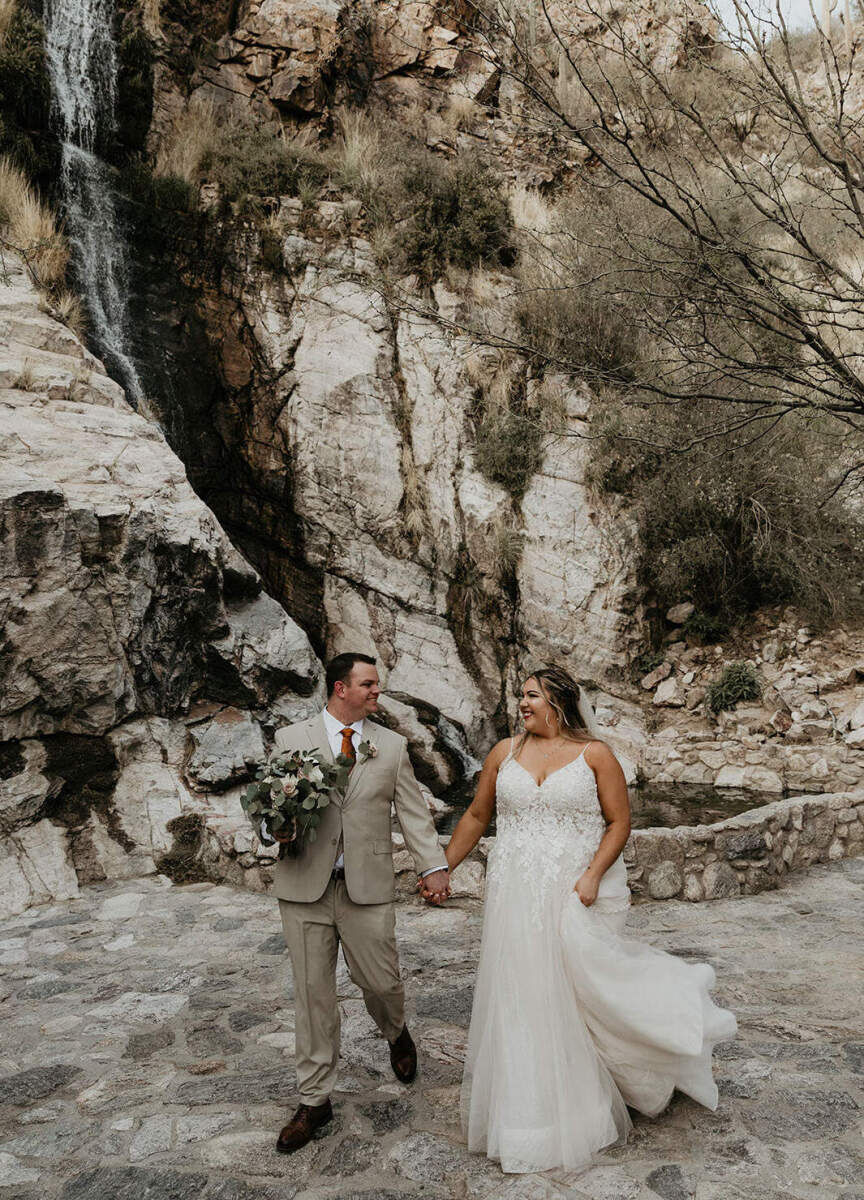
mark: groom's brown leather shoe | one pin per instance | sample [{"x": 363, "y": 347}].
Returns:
[
  {"x": 302, "y": 1125},
  {"x": 403, "y": 1056}
]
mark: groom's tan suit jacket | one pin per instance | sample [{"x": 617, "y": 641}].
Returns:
[{"x": 360, "y": 818}]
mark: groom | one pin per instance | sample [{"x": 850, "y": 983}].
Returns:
[{"x": 341, "y": 888}]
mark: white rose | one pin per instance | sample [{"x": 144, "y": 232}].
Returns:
[
  {"x": 315, "y": 775},
  {"x": 373, "y": 750}
]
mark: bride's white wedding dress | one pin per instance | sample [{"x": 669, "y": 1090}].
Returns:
[{"x": 571, "y": 1021}]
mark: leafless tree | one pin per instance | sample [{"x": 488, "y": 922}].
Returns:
[{"x": 712, "y": 240}]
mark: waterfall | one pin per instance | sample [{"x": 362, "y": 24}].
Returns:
[
  {"x": 82, "y": 64},
  {"x": 454, "y": 740}
]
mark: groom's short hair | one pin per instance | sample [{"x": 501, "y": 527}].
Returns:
[{"x": 340, "y": 668}]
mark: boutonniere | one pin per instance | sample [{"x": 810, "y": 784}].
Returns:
[{"x": 365, "y": 750}]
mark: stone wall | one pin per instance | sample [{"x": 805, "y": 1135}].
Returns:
[
  {"x": 748, "y": 853},
  {"x": 743, "y": 855}
]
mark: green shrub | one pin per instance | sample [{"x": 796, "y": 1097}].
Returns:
[
  {"x": 134, "y": 88},
  {"x": 169, "y": 193},
  {"x": 509, "y": 447},
  {"x": 271, "y": 249},
  {"x": 25, "y": 100},
  {"x": 731, "y": 524},
  {"x": 456, "y": 216},
  {"x": 250, "y": 162},
  {"x": 707, "y": 627},
  {"x": 737, "y": 682},
  {"x": 173, "y": 193}
]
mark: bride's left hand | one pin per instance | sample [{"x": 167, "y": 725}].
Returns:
[{"x": 586, "y": 888}]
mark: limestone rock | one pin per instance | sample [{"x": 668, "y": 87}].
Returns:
[
  {"x": 664, "y": 881},
  {"x": 654, "y": 677},
  {"x": 679, "y": 613},
  {"x": 719, "y": 881},
  {"x": 670, "y": 693},
  {"x": 35, "y": 868},
  {"x": 227, "y": 749}
]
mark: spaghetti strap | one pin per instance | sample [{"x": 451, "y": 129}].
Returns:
[{"x": 508, "y": 755}]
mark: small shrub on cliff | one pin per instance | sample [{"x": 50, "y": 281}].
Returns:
[
  {"x": 737, "y": 682},
  {"x": 456, "y": 216},
  {"x": 25, "y": 95},
  {"x": 168, "y": 193},
  {"x": 567, "y": 306},
  {"x": 249, "y": 162},
  {"x": 135, "y": 59},
  {"x": 426, "y": 214},
  {"x": 510, "y": 435}
]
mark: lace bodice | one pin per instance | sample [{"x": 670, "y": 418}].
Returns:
[
  {"x": 565, "y": 804},
  {"x": 548, "y": 832}
]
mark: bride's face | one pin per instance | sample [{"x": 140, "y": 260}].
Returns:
[{"x": 538, "y": 716}]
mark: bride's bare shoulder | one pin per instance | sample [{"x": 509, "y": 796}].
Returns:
[
  {"x": 599, "y": 754},
  {"x": 499, "y": 752}
]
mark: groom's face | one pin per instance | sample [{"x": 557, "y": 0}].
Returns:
[{"x": 359, "y": 693}]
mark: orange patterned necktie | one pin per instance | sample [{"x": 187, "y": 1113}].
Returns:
[{"x": 348, "y": 745}]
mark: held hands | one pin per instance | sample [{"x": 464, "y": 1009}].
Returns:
[
  {"x": 435, "y": 887},
  {"x": 586, "y": 887}
]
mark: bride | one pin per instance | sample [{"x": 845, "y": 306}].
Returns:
[{"x": 572, "y": 1022}]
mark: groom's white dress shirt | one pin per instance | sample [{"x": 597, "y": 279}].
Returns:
[{"x": 334, "y": 729}]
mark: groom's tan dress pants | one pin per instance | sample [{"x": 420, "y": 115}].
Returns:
[{"x": 368, "y": 936}]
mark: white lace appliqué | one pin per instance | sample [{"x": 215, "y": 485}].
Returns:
[{"x": 549, "y": 832}]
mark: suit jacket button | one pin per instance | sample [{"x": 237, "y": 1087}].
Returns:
[{"x": 333, "y": 843}]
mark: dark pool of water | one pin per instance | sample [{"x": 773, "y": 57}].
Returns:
[{"x": 650, "y": 806}]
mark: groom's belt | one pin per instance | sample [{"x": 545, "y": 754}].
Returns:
[{"x": 337, "y": 873}]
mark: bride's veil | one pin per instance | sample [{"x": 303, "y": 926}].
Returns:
[{"x": 588, "y": 717}]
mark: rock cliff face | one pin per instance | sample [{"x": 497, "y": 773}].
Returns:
[
  {"x": 145, "y": 662},
  {"x": 348, "y": 433},
  {"x": 126, "y": 614},
  {"x": 341, "y": 439}
]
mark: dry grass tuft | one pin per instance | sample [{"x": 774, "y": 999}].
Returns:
[
  {"x": 150, "y": 18},
  {"x": 67, "y": 307},
  {"x": 194, "y": 133},
  {"x": 25, "y": 380},
  {"x": 30, "y": 227},
  {"x": 360, "y": 151},
  {"x": 461, "y": 112},
  {"x": 414, "y": 511},
  {"x": 509, "y": 544},
  {"x": 530, "y": 211},
  {"x": 7, "y": 12}
]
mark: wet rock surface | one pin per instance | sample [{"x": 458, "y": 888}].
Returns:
[{"x": 165, "y": 1069}]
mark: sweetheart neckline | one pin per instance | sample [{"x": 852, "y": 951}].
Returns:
[{"x": 557, "y": 771}]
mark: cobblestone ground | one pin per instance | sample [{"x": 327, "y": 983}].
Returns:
[{"x": 148, "y": 1035}]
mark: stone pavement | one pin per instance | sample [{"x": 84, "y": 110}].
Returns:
[{"x": 148, "y": 1034}]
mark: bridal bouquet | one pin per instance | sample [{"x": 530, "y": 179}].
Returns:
[{"x": 291, "y": 791}]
